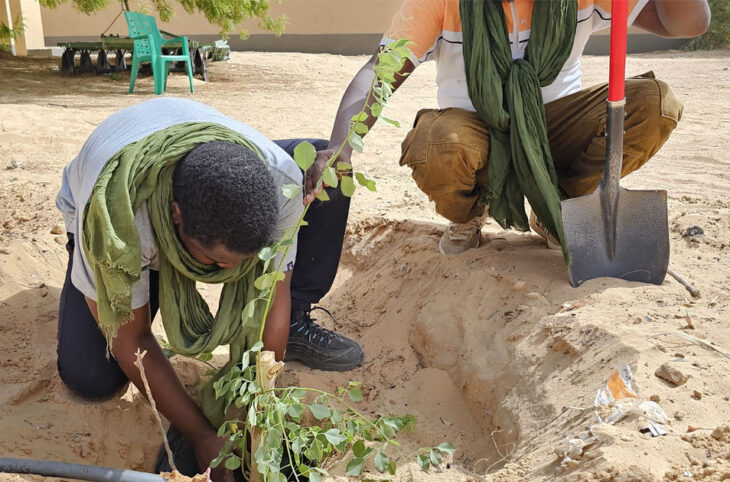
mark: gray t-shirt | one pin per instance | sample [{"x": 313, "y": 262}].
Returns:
[{"x": 137, "y": 122}]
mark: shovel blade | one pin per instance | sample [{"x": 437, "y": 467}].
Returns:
[{"x": 641, "y": 241}]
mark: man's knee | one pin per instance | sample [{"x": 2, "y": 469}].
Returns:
[
  {"x": 91, "y": 382},
  {"x": 652, "y": 113},
  {"x": 446, "y": 150},
  {"x": 652, "y": 101}
]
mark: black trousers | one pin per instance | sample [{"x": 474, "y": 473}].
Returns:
[{"x": 82, "y": 349}]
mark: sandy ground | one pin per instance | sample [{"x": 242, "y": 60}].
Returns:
[{"x": 493, "y": 351}]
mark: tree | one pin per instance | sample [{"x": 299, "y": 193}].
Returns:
[
  {"x": 226, "y": 14},
  {"x": 7, "y": 34}
]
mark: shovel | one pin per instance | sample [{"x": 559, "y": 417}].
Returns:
[{"x": 616, "y": 232}]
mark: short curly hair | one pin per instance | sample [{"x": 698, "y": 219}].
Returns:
[{"x": 226, "y": 196}]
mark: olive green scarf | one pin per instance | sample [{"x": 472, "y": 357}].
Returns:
[
  {"x": 142, "y": 172},
  {"x": 507, "y": 97}
]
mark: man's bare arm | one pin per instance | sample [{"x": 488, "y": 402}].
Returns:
[
  {"x": 276, "y": 331},
  {"x": 171, "y": 398},
  {"x": 352, "y": 101}
]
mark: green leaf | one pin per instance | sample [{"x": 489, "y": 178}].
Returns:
[
  {"x": 257, "y": 346},
  {"x": 268, "y": 252},
  {"x": 359, "y": 117},
  {"x": 295, "y": 411},
  {"x": 391, "y": 468},
  {"x": 298, "y": 394},
  {"x": 392, "y": 423},
  {"x": 355, "y": 142},
  {"x": 314, "y": 477},
  {"x": 336, "y": 416},
  {"x": 319, "y": 411},
  {"x": 381, "y": 461},
  {"x": 334, "y": 436},
  {"x": 329, "y": 176},
  {"x": 297, "y": 445},
  {"x": 446, "y": 448},
  {"x": 359, "y": 449},
  {"x": 364, "y": 181},
  {"x": 251, "y": 415},
  {"x": 249, "y": 310},
  {"x": 424, "y": 462},
  {"x": 360, "y": 128},
  {"x": 291, "y": 190},
  {"x": 205, "y": 357},
  {"x": 304, "y": 155},
  {"x": 355, "y": 466},
  {"x": 277, "y": 477},
  {"x": 348, "y": 186},
  {"x": 245, "y": 359},
  {"x": 355, "y": 394},
  {"x": 315, "y": 451},
  {"x": 376, "y": 109},
  {"x": 344, "y": 166},
  {"x": 435, "y": 458},
  {"x": 390, "y": 121},
  {"x": 273, "y": 438},
  {"x": 322, "y": 195},
  {"x": 233, "y": 462},
  {"x": 268, "y": 280}
]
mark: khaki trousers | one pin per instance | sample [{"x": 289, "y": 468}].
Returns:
[{"x": 448, "y": 149}]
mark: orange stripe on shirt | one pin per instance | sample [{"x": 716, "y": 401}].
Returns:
[{"x": 421, "y": 22}]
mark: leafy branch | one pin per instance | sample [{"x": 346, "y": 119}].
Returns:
[
  {"x": 304, "y": 427},
  {"x": 226, "y": 14},
  {"x": 7, "y": 34}
]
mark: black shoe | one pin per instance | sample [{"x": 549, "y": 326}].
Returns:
[{"x": 318, "y": 347}]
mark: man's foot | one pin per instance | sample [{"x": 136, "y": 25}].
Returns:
[
  {"x": 318, "y": 347},
  {"x": 460, "y": 237},
  {"x": 541, "y": 230}
]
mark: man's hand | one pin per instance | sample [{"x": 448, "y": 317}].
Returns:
[
  {"x": 207, "y": 448},
  {"x": 171, "y": 398},
  {"x": 315, "y": 171}
]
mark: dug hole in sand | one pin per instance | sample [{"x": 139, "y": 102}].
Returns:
[{"x": 492, "y": 351}]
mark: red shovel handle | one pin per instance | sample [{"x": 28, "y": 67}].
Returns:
[{"x": 617, "y": 71}]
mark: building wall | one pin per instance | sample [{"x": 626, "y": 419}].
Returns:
[
  {"x": 334, "y": 26},
  {"x": 30, "y": 12}
]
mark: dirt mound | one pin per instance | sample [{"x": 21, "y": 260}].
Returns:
[{"x": 487, "y": 350}]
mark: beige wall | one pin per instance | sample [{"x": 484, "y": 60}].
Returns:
[
  {"x": 334, "y": 26},
  {"x": 30, "y": 12},
  {"x": 305, "y": 17}
]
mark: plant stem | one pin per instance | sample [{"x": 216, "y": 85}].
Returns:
[
  {"x": 140, "y": 366},
  {"x": 329, "y": 163},
  {"x": 288, "y": 451}
]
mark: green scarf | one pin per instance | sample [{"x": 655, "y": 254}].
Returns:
[
  {"x": 142, "y": 172},
  {"x": 507, "y": 97}
]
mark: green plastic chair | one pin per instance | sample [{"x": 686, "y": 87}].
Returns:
[{"x": 148, "y": 45}]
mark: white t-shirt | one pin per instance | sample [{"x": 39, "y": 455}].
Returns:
[
  {"x": 434, "y": 27},
  {"x": 131, "y": 125}
]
